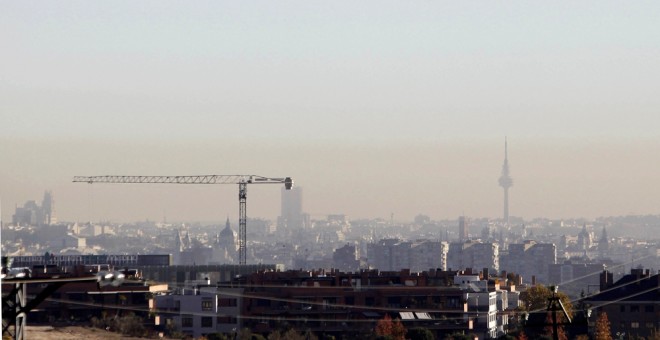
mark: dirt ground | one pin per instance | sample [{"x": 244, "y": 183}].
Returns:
[{"x": 71, "y": 333}]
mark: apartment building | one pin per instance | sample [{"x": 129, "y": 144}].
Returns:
[
  {"x": 324, "y": 302},
  {"x": 473, "y": 254}
]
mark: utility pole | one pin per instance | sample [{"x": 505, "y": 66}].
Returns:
[{"x": 555, "y": 305}]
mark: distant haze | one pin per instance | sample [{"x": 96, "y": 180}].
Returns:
[
  {"x": 374, "y": 108},
  {"x": 442, "y": 179}
]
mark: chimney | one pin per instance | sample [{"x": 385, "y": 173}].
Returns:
[
  {"x": 486, "y": 274},
  {"x": 533, "y": 280},
  {"x": 605, "y": 280}
]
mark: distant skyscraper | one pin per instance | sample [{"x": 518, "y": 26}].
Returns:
[
  {"x": 292, "y": 211},
  {"x": 48, "y": 207},
  {"x": 603, "y": 244},
  {"x": 463, "y": 229},
  {"x": 506, "y": 182},
  {"x": 33, "y": 214}
]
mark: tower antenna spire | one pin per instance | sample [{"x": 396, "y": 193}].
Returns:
[{"x": 506, "y": 181}]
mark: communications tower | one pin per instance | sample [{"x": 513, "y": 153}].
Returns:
[{"x": 506, "y": 182}]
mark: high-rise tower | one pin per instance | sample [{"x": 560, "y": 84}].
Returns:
[
  {"x": 292, "y": 208},
  {"x": 506, "y": 182},
  {"x": 463, "y": 232}
]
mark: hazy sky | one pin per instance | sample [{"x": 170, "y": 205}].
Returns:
[{"x": 373, "y": 107}]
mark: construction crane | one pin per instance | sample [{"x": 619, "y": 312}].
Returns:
[{"x": 241, "y": 180}]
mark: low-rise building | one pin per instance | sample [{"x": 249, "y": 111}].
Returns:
[
  {"x": 332, "y": 303},
  {"x": 199, "y": 311},
  {"x": 632, "y": 303}
]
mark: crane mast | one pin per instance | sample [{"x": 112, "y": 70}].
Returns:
[{"x": 241, "y": 180}]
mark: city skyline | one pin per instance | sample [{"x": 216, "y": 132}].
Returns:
[
  {"x": 375, "y": 109},
  {"x": 438, "y": 197}
]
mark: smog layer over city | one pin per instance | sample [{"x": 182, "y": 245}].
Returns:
[{"x": 330, "y": 170}]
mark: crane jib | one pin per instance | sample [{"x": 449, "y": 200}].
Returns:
[{"x": 241, "y": 180}]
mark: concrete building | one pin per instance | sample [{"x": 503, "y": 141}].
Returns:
[
  {"x": 346, "y": 258},
  {"x": 576, "y": 275},
  {"x": 71, "y": 261},
  {"x": 350, "y": 304},
  {"x": 530, "y": 259},
  {"x": 292, "y": 217},
  {"x": 379, "y": 254},
  {"x": 394, "y": 254},
  {"x": 72, "y": 241},
  {"x": 33, "y": 214},
  {"x": 482, "y": 298},
  {"x": 82, "y": 297},
  {"x": 632, "y": 303},
  {"x": 199, "y": 311},
  {"x": 181, "y": 274},
  {"x": 426, "y": 255},
  {"x": 463, "y": 229},
  {"x": 473, "y": 254},
  {"x": 332, "y": 303}
]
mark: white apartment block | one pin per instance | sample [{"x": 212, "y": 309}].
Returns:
[{"x": 200, "y": 311}]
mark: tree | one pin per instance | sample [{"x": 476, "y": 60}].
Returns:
[
  {"x": 521, "y": 336},
  {"x": 246, "y": 334},
  {"x": 602, "y": 331},
  {"x": 536, "y": 298},
  {"x": 388, "y": 328},
  {"x": 420, "y": 334},
  {"x": 291, "y": 334},
  {"x": 459, "y": 336},
  {"x": 549, "y": 328}
]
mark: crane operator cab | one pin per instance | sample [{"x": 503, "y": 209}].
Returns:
[{"x": 288, "y": 183}]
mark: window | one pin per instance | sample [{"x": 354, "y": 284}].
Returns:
[
  {"x": 394, "y": 301},
  {"x": 207, "y": 305},
  {"x": 634, "y": 324},
  {"x": 648, "y": 308},
  {"x": 207, "y": 321},
  {"x": 186, "y": 321},
  {"x": 634, "y": 308},
  {"x": 261, "y": 302},
  {"x": 232, "y": 303},
  {"x": 622, "y": 309},
  {"x": 649, "y": 325}
]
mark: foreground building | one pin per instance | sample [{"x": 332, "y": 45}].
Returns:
[
  {"x": 331, "y": 303},
  {"x": 199, "y": 311},
  {"x": 74, "y": 295},
  {"x": 632, "y": 303}
]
